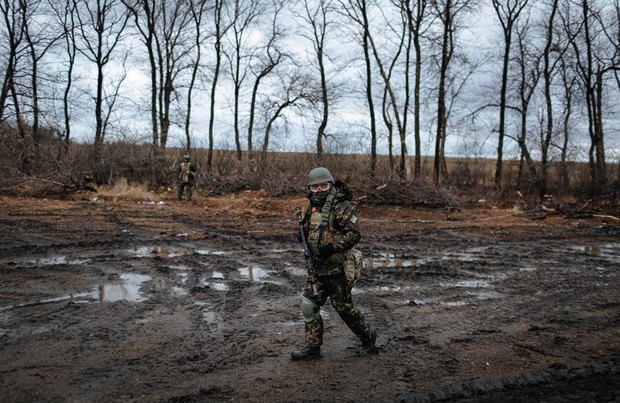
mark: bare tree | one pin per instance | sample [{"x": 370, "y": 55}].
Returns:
[
  {"x": 528, "y": 75},
  {"x": 243, "y": 16},
  {"x": 266, "y": 63},
  {"x": 145, "y": 16},
  {"x": 416, "y": 16},
  {"x": 446, "y": 11},
  {"x": 318, "y": 22},
  {"x": 293, "y": 92},
  {"x": 220, "y": 30},
  {"x": 65, "y": 15},
  {"x": 597, "y": 51},
  {"x": 168, "y": 32},
  {"x": 101, "y": 27},
  {"x": 357, "y": 11},
  {"x": 29, "y": 37},
  {"x": 390, "y": 83},
  {"x": 197, "y": 9},
  {"x": 39, "y": 37},
  {"x": 548, "y": 72},
  {"x": 387, "y": 121},
  {"x": 14, "y": 24},
  {"x": 507, "y": 12},
  {"x": 569, "y": 83}
]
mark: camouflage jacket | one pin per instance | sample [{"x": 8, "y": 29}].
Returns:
[{"x": 342, "y": 229}]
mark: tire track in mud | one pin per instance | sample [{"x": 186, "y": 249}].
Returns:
[
  {"x": 509, "y": 270},
  {"x": 598, "y": 380}
]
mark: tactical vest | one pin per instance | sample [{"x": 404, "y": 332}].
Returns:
[
  {"x": 184, "y": 173},
  {"x": 319, "y": 223}
]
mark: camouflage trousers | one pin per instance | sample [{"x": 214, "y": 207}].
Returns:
[
  {"x": 339, "y": 292},
  {"x": 182, "y": 186}
]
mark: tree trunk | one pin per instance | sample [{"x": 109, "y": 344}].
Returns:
[
  {"x": 369, "y": 97},
  {"x": 441, "y": 97},
  {"x": 325, "y": 101},
  {"x": 216, "y": 74},
  {"x": 416, "y": 93}
]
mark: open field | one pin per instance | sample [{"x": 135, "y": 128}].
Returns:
[{"x": 107, "y": 300}]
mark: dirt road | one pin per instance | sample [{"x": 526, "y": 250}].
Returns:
[{"x": 177, "y": 302}]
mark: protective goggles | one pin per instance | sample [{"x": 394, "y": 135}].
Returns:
[{"x": 319, "y": 187}]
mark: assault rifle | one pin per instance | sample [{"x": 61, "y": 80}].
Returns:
[{"x": 307, "y": 253}]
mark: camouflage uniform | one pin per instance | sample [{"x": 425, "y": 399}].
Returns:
[
  {"x": 187, "y": 172},
  {"x": 343, "y": 233}
]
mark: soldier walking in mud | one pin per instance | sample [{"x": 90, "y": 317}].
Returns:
[
  {"x": 186, "y": 175},
  {"x": 329, "y": 229}
]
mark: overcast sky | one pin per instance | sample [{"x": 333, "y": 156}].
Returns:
[{"x": 348, "y": 118}]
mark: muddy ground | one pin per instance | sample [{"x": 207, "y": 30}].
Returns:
[{"x": 105, "y": 300}]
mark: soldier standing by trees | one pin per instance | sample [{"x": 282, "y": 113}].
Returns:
[{"x": 186, "y": 175}]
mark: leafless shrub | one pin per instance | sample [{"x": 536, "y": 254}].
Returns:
[{"x": 62, "y": 168}]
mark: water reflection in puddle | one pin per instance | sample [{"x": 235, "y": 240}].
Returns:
[
  {"x": 207, "y": 313},
  {"x": 171, "y": 251},
  {"x": 46, "y": 261},
  {"x": 435, "y": 301},
  {"x": 160, "y": 251},
  {"x": 297, "y": 271},
  {"x": 528, "y": 268},
  {"x": 254, "y": 273},
  {"x": 128, "y": 289},
  {"x": 205, "y": 251},
  {"x": 217, "y": 285},
  {"x": 468, "y": 284},
  {"x": 605, "y": 250},
  {"x": 140, "y": 252},
  {"x": 381, "y": 289},
  {"x": 388, "y": 260},
  {"x": 487, "y": 295},
  {"x": 467, "y": 255},
  {"x": 455, "y": 303}
]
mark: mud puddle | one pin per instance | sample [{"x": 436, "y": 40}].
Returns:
[{"x": 136, "y": 287}]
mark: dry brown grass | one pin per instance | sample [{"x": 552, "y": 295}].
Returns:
[
  {"x": 132, "y": 171},
  {"x": 123, "y": 190}
]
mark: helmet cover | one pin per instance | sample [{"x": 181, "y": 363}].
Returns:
[{"x": 319, "y": 175}]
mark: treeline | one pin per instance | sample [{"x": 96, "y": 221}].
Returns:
[
  {"x": 375, "y": 75},
  {"x": 61, "y": 169}
]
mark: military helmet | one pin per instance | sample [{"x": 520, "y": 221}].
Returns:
[
  {"x": 186, "y": 157},
  {"x": 319, "y": 175}
]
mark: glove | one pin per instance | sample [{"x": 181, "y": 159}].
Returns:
[{"x": 326, "y": 251}]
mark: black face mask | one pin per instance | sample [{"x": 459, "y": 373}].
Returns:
[{"x": 318, "y": 199}]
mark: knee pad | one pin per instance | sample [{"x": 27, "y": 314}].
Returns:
[{"x": 308, "y": 309}]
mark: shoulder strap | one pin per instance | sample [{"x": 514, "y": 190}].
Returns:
[{"x": 325, "y": 214}]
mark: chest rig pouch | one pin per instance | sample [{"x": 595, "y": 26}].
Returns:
[
  {"x": 319, "y": 225},
  {"x": 185, "y": 173}
]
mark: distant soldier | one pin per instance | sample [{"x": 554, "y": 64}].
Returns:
[{"x": 187, "y": 173}]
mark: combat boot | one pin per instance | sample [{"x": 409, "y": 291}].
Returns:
[
  {"x": 368, "y": 345},
  {"x": 308, "y": 353}
]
